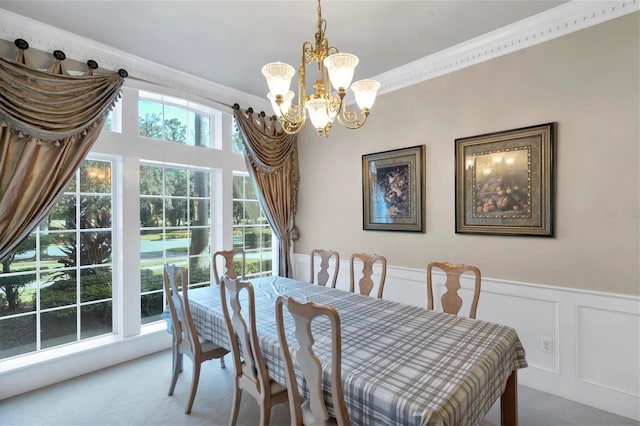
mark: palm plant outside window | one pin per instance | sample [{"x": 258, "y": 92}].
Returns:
[{"x": 56, "y": 287}]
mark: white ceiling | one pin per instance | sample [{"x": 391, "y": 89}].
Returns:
[{"x": 227, "y": 42}]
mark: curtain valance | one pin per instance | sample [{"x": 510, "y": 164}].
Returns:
[
  {"x": 53, "y": 106},
  {"x": 48, "y": 123},
  {"x": 270, "y": 147}
]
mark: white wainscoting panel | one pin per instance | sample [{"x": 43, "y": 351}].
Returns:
[
  {"x": 593, "y": 355},
  {"x": 597, "y": 342}
]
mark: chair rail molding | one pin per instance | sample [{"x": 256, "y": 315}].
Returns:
[{"x": 570, "y": 335}]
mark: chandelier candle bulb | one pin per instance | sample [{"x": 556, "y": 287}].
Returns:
[
  {"x": 341, "y": 67},
  {"x": 318, "y": 114},
  {"x": 365, "y": 92},
  {"x": 278, "y": 75}
]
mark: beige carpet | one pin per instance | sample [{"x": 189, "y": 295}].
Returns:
[{"x": 135, "y": 393}]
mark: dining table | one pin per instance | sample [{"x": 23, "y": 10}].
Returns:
[{"x": 401, "y": 364}]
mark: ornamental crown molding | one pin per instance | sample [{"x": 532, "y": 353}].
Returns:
[{"x": 569, "y": 17}]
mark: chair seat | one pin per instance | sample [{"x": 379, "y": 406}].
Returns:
[
  {"x": 277, "y": 388},
  {"x": 211, "y": 349}
]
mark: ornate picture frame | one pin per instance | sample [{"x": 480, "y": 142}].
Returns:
[
  {"x": 505, "y": 182},
  {"x": 393, "y": 190}
]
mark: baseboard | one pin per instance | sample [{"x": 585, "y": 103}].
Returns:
[{"x": 594, "y": 336}]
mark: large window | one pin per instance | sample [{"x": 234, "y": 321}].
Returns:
[
  {"x": 93, "y": 268},
  {"x": 251, "y": 231},
  {"x": 56, "y": 286},
  {"x": 175, "y": 227}
]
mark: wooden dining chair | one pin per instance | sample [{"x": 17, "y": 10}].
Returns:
[
  {"x": 323, "y": 274},
  {"x": 185, "y": 336},
  {"x": 250, "y": 368},
  {"x": 227, "y": 258},
  {"x": 313, "y": 411},
  {"x": 450, "y": 300},
  {"x": 365, "y": 284}
]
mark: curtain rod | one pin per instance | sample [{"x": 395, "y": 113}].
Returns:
[{"x": 22, "y": 44}]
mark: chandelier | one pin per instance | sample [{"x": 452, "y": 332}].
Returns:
[{"x": 335, "y": 69}]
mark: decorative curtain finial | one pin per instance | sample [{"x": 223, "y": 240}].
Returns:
[{"x": 21, "y": 44}]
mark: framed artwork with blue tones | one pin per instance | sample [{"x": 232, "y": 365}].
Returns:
[{"x": 393, "y": 190}]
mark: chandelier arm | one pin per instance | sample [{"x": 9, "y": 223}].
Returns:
[
  {"x": 350, "y": 119},
  {"x": 294, "y": 119},
  {"x": 334, "y": 106}
]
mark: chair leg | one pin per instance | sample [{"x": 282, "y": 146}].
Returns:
[
  {"x": 265, "y": 413},
  {"x": 194, "y": 385},
  {"x": 176, "y": 369},
  {"x": 235, "y": 406}
]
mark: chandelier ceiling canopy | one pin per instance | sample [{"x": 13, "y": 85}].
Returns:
[{"x": 334, "y": 69}]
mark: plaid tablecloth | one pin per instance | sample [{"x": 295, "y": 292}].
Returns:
[{"x": 401, "y": 365}]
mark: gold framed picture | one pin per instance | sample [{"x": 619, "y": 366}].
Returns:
[
  {"x": 392, "y": 190},
  {"x": 505, "y": 182}
]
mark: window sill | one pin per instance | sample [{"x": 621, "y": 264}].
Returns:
[{"x": 23, "y": 361}]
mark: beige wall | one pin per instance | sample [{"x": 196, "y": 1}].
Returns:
[{"x": 588, "y": 82}]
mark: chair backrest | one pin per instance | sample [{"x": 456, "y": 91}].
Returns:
[
  {"x": 323, "y": 274},
  {"x": 309, "y": 363},
  {"x": 184, "y": 329},
  {"x": 229, "y": 268},
  {"x": 450, "y": 300},
  {"x": 243, "y": 335},
  {"x": 365, "y": 285},
  {"x": 175, "y": 301}
]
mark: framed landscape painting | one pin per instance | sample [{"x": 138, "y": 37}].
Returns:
[
  {"x": 505, "y": 182},
  {"x": 392, "y": 190}
]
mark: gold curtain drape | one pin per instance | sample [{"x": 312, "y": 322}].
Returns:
[
  {"x": 272, "y": 160},
  {"x": 48, "y": 123}
]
